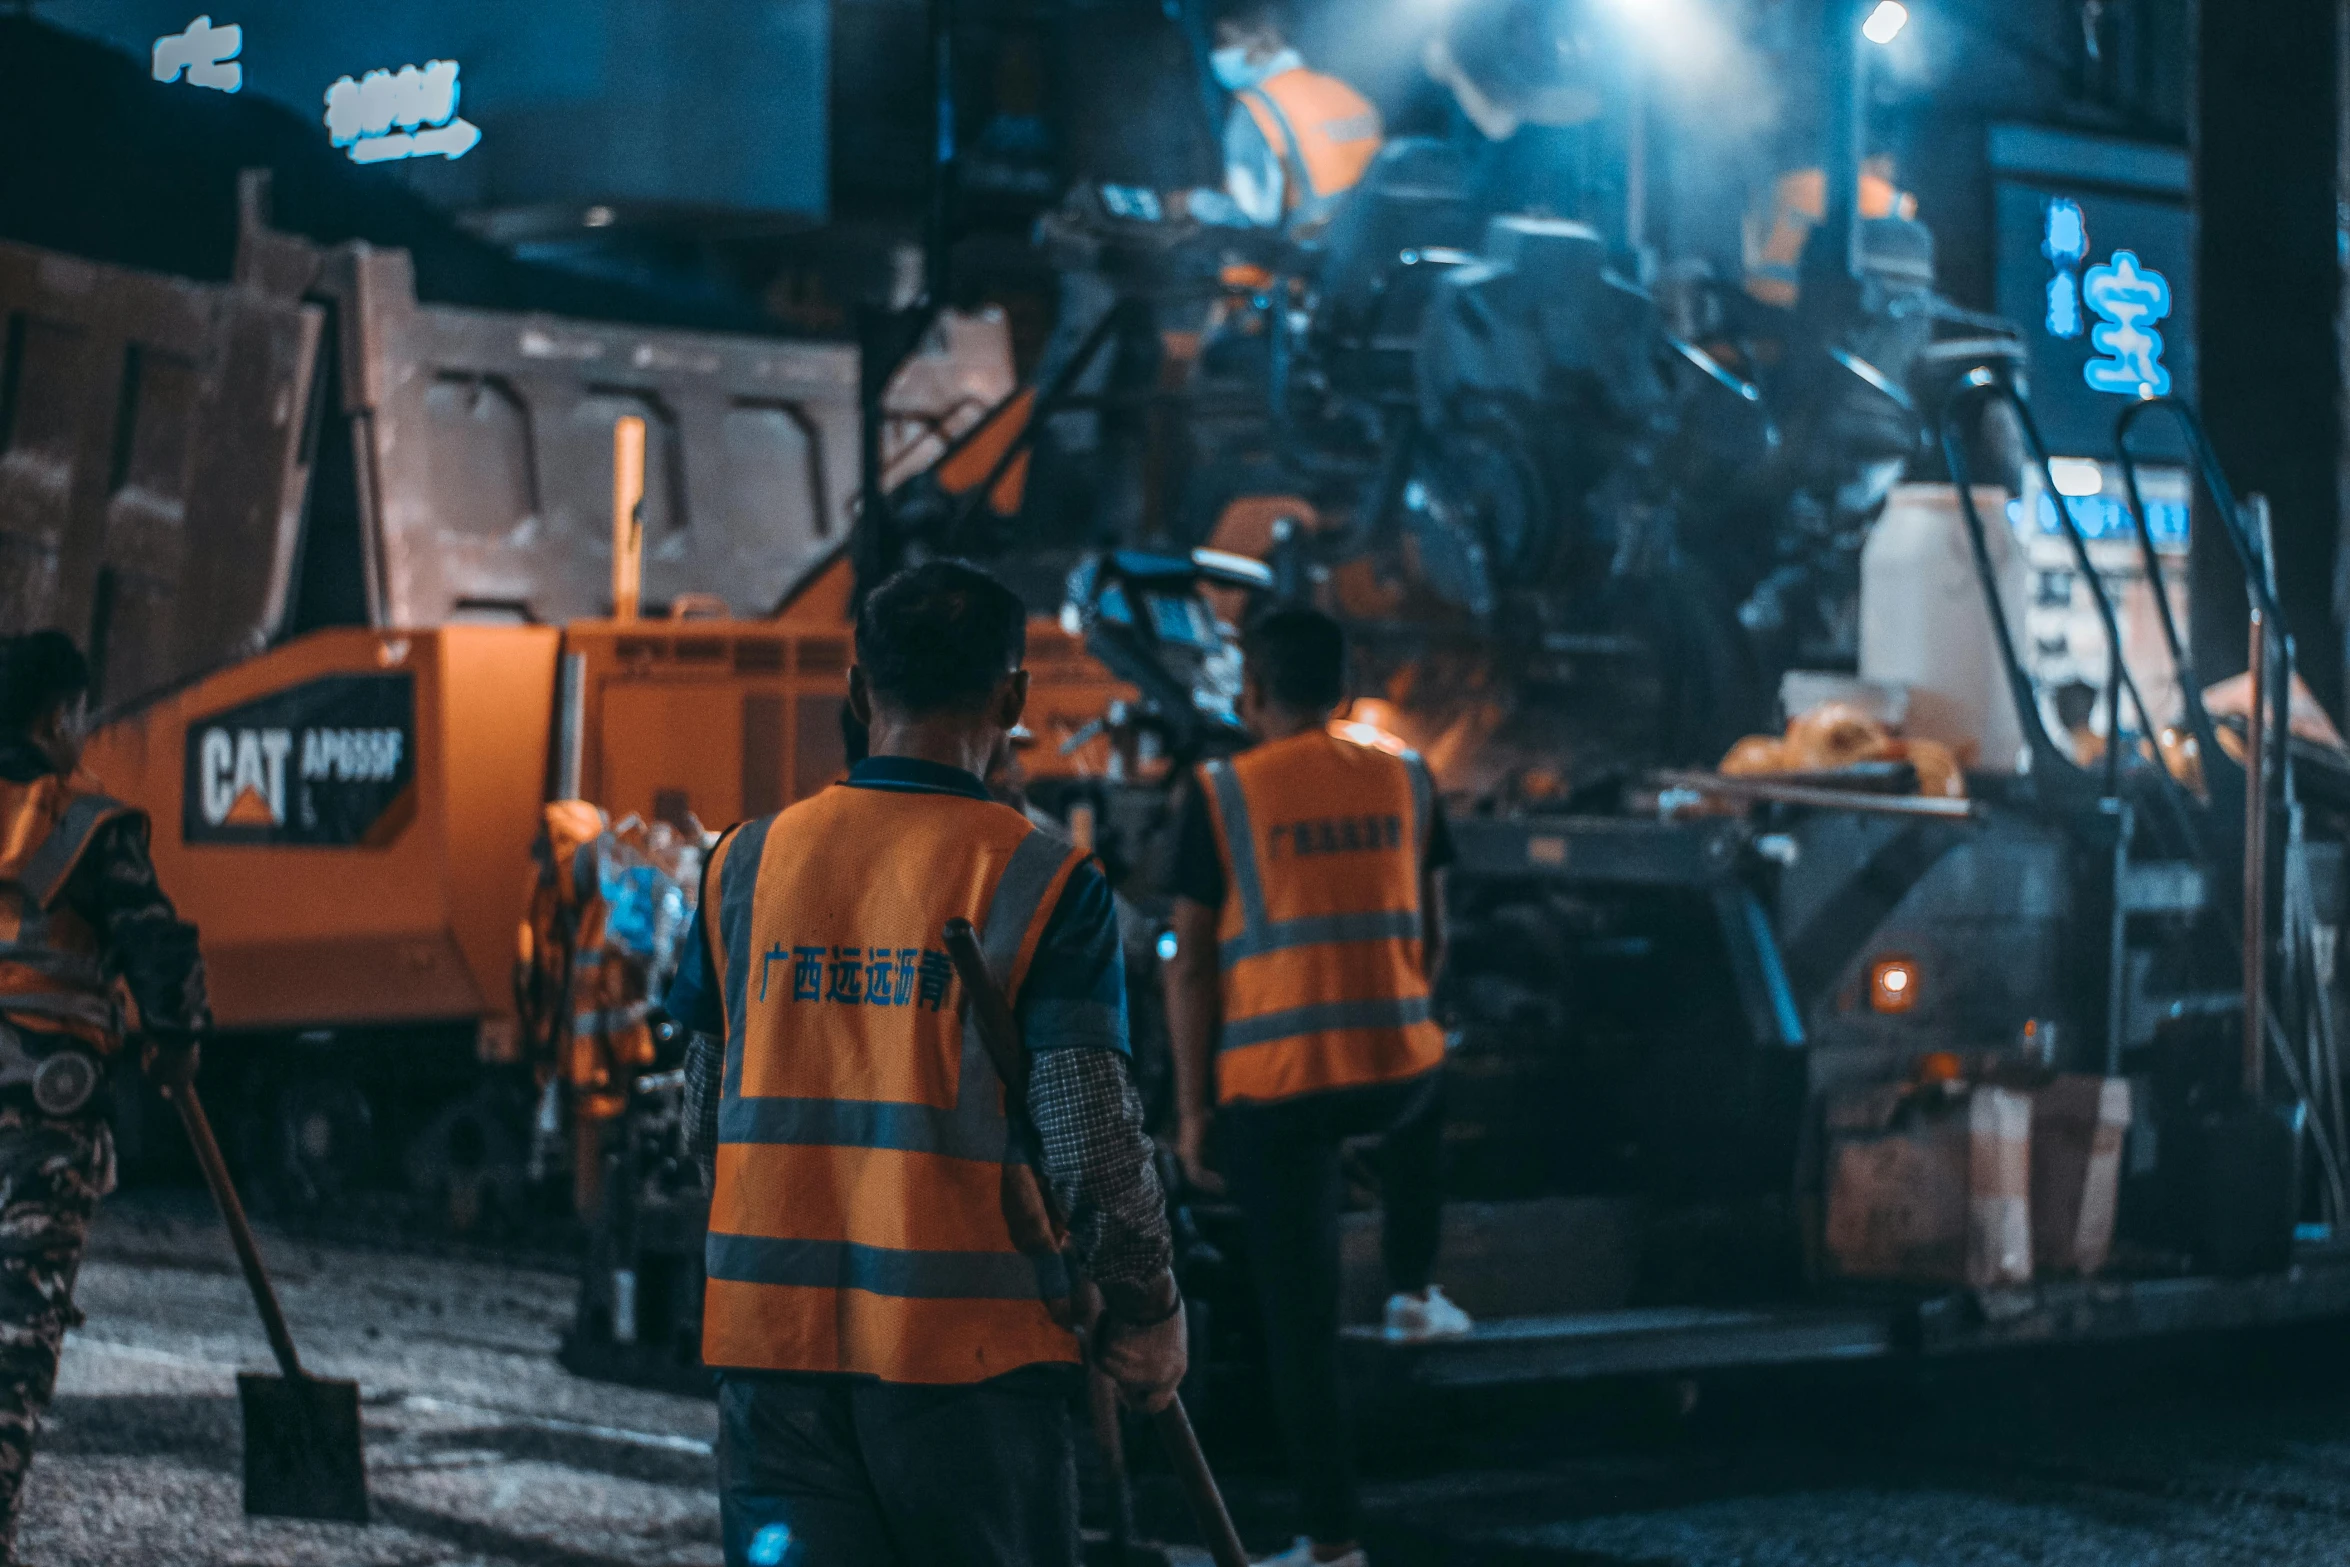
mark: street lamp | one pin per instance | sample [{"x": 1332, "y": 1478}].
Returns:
[{"x": 1885, "y": 23}]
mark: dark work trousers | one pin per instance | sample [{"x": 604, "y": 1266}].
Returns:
[
  {"x": 840, "y": 1472},
  {"x": 53, "y": 1170},
  {"x": 1281, "y": 1162}
]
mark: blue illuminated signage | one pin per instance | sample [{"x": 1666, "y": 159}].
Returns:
[
  {"x": 206, "y": 54},
  {"x": 2065, "y": 243},
  {"x": 2129, "y": 300},
  {"x": 2108, "y": 517},
  {"x": 385, "y": 116}
]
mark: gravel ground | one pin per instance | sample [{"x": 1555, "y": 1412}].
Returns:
[
  {"x": 482, "y": 1451},
  {"x": 2185, "y": 1455}
]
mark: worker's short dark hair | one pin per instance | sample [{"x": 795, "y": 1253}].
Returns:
[
  {"x": 1253, "y": 14},
  {"x": 38, "y": 671},
  {"x": 1507, "y": 47},
  {"x": 1298, "y": 657},
  {"x": 939, "y": 637}
]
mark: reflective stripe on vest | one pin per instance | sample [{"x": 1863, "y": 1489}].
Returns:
[
  {"x": 1324, "y": 132},
  {"x": 862, "y": 1220},
  {"x": 1320, "y": 947},
  {"x": 50, "y": 971}
]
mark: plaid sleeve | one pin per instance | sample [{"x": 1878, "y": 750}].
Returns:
[
  {"x": 1089, "y": 1119},
  {"x": 1072, "y": 1011}
]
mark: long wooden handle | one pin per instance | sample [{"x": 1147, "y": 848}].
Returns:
[
  {"x": 240, "y": 1234},
  {"x": 1173, "y": 1424},
  {"x": 999, "y": 1033},
  {"x": 1101, "y": 1401}
]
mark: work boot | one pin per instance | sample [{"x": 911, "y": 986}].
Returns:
[
  {"x": 1415, "y": 1319},
  {"x": 1302, "y": 1553}
]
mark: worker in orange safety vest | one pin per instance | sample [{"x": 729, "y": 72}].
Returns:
[
  {"x": 90, "y": 951},
  {"x": 889, "y": 1313},
  {"x": 1296, "y": 140},
  {"x": 1777, "y": 232},
  {"x": 1308, "y": 929}
]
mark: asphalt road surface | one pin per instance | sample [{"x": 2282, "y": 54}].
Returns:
[{"x": 482, "y": 1451}]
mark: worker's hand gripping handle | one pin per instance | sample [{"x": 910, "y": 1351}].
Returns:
[{"x": 999, "y": 1034}]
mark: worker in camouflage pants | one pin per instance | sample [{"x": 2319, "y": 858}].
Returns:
[
  {"x": 53, "y": 1170},
  {"x": 91, "y": 952}
]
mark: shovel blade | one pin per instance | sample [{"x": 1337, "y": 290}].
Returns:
[{"x": 302, "y": 1453}]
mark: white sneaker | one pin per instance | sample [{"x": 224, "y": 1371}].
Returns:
[
  {"x": 1414, "y": 1319},
  {"x": 1302, "y": 1553}
]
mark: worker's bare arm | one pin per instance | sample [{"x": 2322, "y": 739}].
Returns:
[
  {"x": 1190, "y": 981},
  {"x": 1432, "y": 923}
]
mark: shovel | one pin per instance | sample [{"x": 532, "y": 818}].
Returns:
[
  {"x": 302, "y": 1453},
  {"x": 1000, "y": 1035}
]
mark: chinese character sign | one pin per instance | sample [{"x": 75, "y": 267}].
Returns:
[
  {"x": 408, "y": 113},
  {"x": 207, "y": 54},
  {"x": 2065, "y": 242},
  {"x": 2129, "y": 301}
]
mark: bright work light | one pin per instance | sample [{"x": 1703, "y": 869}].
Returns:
[{"x": 1885, "y": 22}]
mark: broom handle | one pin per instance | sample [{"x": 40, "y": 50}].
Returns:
[
  {"x": 240, "y": 1234},
  {"x": 1000, "y": 1034}
]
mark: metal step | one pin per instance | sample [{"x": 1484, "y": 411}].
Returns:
[
  {"x": 1670, "y": 1341},
  {"x": 1651, "y": 1341}
]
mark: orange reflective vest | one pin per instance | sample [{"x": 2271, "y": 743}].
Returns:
[
  {"x": 51, "y": 976},
  {"x": 870, "y": 1215},
  {"x": 1325, "y": 132},
  {"x": 1321, "y": 948},
  {"x": 1799, "y": 204}
]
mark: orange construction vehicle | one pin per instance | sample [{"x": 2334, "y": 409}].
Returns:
[{"x": 368, "y": 591}]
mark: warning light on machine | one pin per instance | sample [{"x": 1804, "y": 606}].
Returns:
[
  {"x": 1885, "y": 22},
  {"x": 1368, "y": 723},
  {"x": 1893, "y": 985}
]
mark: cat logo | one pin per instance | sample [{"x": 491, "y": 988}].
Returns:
[
  {"x": 244, "y": 774},
  {"x": 329, "y": 763}
]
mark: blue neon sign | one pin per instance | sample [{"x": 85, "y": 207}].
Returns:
[
  {"x": 205, "y": 54},
  {"x": 2108, "y": 517},
  {"x": 2065, "y": 242},
  {"x": 2129, "y": 299},
  {"x": 385, "y": 116}
]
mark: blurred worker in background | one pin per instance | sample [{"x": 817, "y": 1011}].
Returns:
[
  {"x": 83, "y": 928},
  {"x": 1309, "y": 927},
  {"x": 889, "y": 1317},
  {"x": 1522, "y": 79},
  {"x": 1295, "y": 141},
  {"x": 1779, "y": 229}
]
